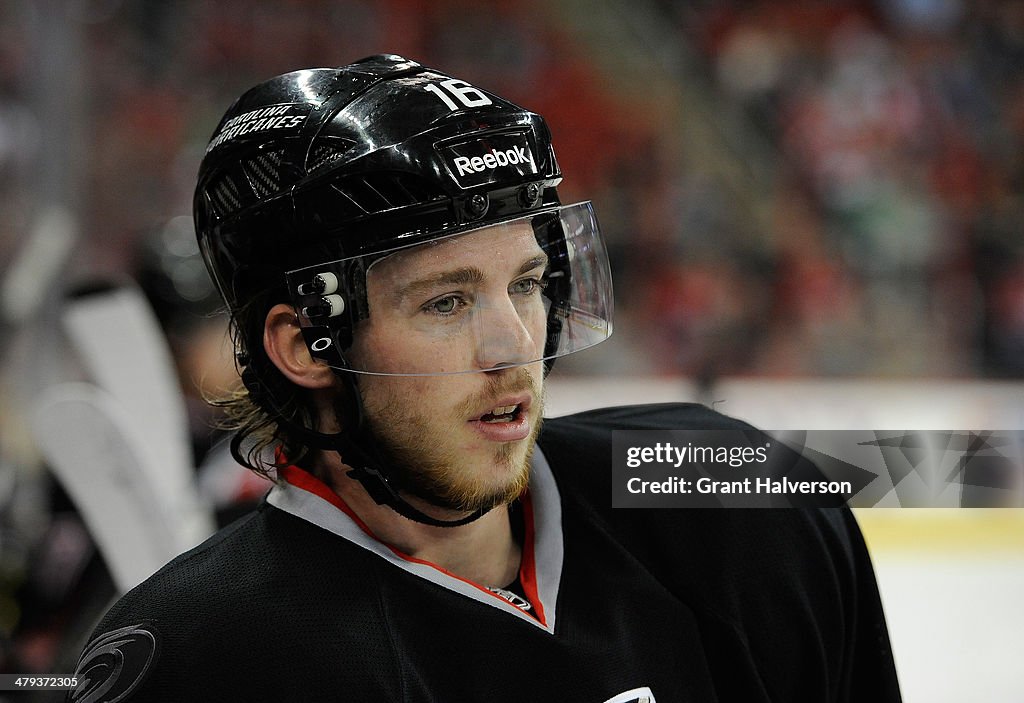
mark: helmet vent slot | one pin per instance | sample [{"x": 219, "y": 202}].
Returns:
[
  {"x": 355, "y": 191},
  {"x": 400, "y": 189},
  {"x": 359, "y": 195},
  {"x": 326, "y": 154},
  {"x": 384, "y": 191},
  {"x": 264, "y": 172},
  {"x": 225, "y": 195}
]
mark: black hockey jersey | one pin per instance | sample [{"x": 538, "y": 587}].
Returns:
[{"x": 298, "y": 602}]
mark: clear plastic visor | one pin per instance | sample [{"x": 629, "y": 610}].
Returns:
[{"x": 509, "y": 294}]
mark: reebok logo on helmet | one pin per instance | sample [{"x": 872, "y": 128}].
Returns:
[
  {"x": 477, "y": 164},
  {"x": 491, "y": 160}
]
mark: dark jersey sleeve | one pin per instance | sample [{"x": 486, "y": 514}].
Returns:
[
  {"x": 786, "y": 598},
  {"x": 263, "y": 611}
]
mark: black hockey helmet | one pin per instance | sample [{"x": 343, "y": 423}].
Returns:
[{"x": 313, "y": 176}]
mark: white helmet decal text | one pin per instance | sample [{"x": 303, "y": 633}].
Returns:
[
  {"x": 467, "y": 165},
  {"x": 491, "y": 158},
  {"x": 285, "y": 116}
]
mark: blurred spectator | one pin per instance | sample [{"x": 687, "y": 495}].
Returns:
[{"x": 902, "y": 123}]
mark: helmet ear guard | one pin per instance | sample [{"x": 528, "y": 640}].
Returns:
[
  {"x": 329, "y": 306},
  {"x": 320, "y": 340}
]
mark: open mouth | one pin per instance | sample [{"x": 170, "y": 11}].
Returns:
[
  {"x": 503, "y": 413},
  {"x": 507, "y": 421}
]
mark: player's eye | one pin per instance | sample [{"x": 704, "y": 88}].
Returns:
[
  {"x": 445, "y": 305},
  {"x": 526, "y": 286}
]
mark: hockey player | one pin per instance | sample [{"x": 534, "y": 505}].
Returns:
[{"x": 401, "y": 275}]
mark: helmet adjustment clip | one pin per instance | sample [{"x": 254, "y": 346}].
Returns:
[
  {"x": 326, "y": 306},
  {"x": 322, "y": 284}
]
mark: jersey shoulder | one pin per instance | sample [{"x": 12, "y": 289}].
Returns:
[
  {"x": 579, "y": 450},
  {"x": 213, "y": 619},
  {"x": 773, "y": 585},
  {"x": 579, "y": 446},
  {"x": 654, "y": 416}
]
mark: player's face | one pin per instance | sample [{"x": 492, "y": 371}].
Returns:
[{"x": 461, "y": 440}]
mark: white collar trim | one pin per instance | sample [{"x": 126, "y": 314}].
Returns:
[{"x": 547, "y": 527}]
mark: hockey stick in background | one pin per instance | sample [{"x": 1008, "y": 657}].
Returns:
[
  {"x": 97, "y": 453},
  {"x": 118, "y": 339}
]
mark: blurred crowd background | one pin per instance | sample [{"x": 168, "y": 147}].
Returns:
[{"x": 788, "y": 189}]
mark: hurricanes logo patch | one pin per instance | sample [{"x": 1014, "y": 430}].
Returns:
[
  {"x": 637, "y": 695},
  {"x": 114, "y": 664}
]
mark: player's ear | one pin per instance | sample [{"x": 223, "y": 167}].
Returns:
[{"x": 286, "y": 348}]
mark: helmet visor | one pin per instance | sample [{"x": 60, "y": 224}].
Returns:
[{"x": 508, "y": 294}]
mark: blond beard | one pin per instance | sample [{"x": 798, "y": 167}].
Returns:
[{"x": 406, "y": 443}]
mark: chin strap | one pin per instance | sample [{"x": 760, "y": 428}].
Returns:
[
  {"x": 367, "y": 468},
  {"x": 374, "y": 481}
]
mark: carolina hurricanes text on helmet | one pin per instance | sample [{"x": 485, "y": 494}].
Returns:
[
  {"x": 273, "y": 117},
  {"x": 467, "y": 165}
]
